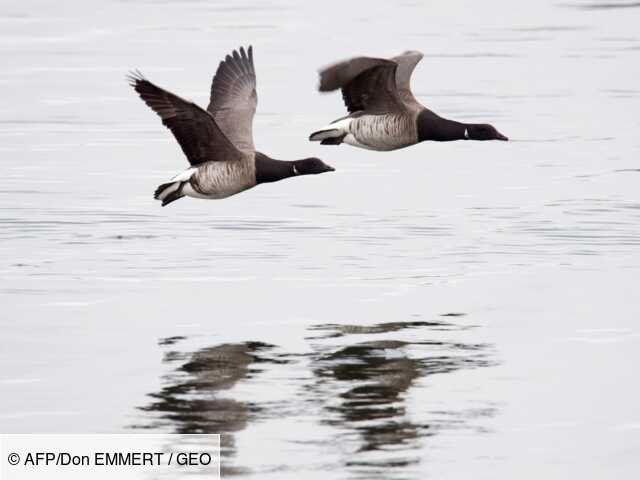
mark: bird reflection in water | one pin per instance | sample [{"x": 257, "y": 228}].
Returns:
[
  {"x": 368, "y": 382},
  {"x": 361, "y": 377},
  {"x": 192, "y": 399}
]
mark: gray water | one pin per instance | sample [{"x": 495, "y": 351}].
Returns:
[{"x": 459, "y": 310}]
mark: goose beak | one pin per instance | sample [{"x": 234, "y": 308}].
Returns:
[
  {"x": 330, "y": 169},
  {"x": 502, "y": 137}
]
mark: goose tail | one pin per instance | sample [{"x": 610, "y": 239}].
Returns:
[
  {"x": 332, "y": 134},
  {"x": 328, "y": 137},
  {"x": 169, "y": 192},
  {"x": 321, "y": 135}
]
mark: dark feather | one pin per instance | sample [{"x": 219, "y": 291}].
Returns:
[
  {"x": 194, "y": 128},
  {"x": 366, "y": 84},
  {"x": 234, "y": 98},
  {"x": 374, "y": 90},
  {"x": 406, "y": 64},
  {"x": 340, "y": 74}
]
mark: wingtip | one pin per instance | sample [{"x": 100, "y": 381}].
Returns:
[
  {"x": 322, "y": 85},
  {"x": 412, "y": 52},
  {"x": 248, "y": 50},
  {"x": 134, "y": 77},
  {"x": 250, "y": 56},
  {"x": 240, "y": 57}
]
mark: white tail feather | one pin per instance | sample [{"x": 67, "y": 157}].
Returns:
[
  {"x": 333, "y": 130},
  {"x": 324, "y": 134},
  {"x": 163, "y": 191}
]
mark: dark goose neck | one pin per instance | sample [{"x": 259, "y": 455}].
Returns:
[
  {"x": 433, "y": 127},
  {"x": 271, "y": 170}
]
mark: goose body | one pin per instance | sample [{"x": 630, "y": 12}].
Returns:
[
  {"x": 218, "y": 142},
  {"x": 216, "y": 180},
  {"x": 383, "y": 113},
  {"x": 376, "y": 132}
]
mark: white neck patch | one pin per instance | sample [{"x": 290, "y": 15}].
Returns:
[
  {"x": 295, "y": 170},
  {"x": 466, "y": 134}
]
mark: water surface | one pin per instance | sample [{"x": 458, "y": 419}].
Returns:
[{"x": 434, "y": 311}]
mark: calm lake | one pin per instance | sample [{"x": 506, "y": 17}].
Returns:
[{"x": 445, "y": 311}]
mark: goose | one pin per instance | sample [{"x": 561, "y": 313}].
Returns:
[
  {"x": 218, "y": 141},
  {"x": 383, "y": 113}
]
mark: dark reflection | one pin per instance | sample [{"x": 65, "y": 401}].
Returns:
[
  {"x": 366, "y": 385},
  {"x": 336, "y": 330},
  {"x": 374, "y": 385},
  {"x": 192, "y": 400},
  {"x": 606, "y": 5},
  {"x": 362, "y": 378}
]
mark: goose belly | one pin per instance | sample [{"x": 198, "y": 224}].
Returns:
[
  {"x": 381, "y": 132},
  {"x": 215, "y": 180}
]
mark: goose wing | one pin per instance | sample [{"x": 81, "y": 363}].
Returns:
[
  {"x": 366, "y": 83},
  {"x": 406, "y": 64},
  {"x": 234, "y": 98},
  {"x": 194, "y": 128}
]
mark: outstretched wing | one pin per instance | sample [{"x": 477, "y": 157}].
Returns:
[
  {"x": 194, "y": 128},
  {"x": 234, "y": 98},
  {"x": 366, "y": 83},
  {"x": 339, "y": 74},
  {"x": 406, "y": 64}
]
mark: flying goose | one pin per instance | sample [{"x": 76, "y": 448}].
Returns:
[
  {"x": 218, "y": 142},
  {"x": 383, "y": 113}
]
